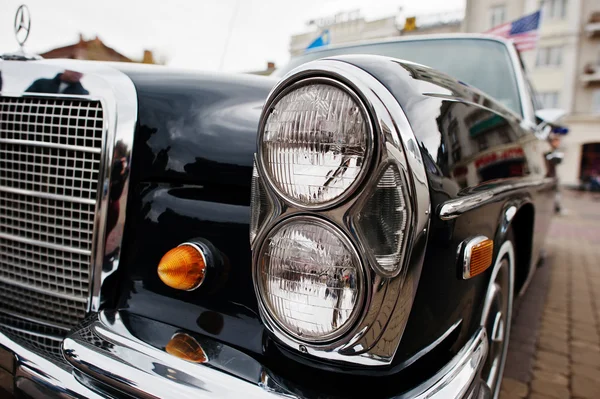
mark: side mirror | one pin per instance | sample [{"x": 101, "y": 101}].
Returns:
[
  {"x": 550, "y": 115},
  {"x": 547, "y": 119}
]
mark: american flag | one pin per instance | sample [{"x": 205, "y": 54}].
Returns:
[{"x": 524, "y": 32}]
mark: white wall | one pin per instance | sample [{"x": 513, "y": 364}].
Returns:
[{"x": 582, "y": 131}]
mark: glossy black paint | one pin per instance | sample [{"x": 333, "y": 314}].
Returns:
[
  {"x": 191, "y": 171},
  {"x": 444, "y": 114},
  {"x": 198, "y": 128}
]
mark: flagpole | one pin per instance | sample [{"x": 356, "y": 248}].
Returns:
[{"x": 229, "y": 32}]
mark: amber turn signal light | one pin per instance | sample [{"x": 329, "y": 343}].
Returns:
[
  {"x": 183, "y": 267},
  {"x": 477, "y": 258},
  {"x": 187, "y": 348}
]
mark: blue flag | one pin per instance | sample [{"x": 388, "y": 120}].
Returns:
[{"x": 323, "y": 40}]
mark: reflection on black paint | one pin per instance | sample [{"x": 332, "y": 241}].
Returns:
[
  {"x": 478, "y": 145},
  {"x": 198, "y": 128},
  {"x": 211, "y": 322},
  {"x": 67, "y": 82},
  {"x": 118, "y": 177}
]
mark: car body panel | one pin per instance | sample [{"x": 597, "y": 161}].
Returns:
[
  {"x": 174, "y": 211},
  {"x": 444, "y": 113},
  {"x": 190, "y": 178}
]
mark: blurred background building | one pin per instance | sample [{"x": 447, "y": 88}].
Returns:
[
  {"x": 265, "y": 72},
  {"x": 564, "y": 70},
  {"x": 96, "y": 50},
  {"x": 351, "y": 27}
]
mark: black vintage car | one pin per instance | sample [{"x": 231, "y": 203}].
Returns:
[{"x": 357, "y": 227}]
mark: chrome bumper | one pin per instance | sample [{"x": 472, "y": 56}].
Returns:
[{"x": 106, "y": 359}]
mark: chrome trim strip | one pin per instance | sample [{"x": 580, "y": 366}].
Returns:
[
  {"x": 376, "y": 336},
  {"x": 453, "y": 208},
  {"x": 467, "y": 248},
  {"x": 109, "y": 353},
  {"x": 121, "y": 110},
  {"x": 51, "y": 145},
  {"x": 54, "y": 197},
  {"x": 44, "y": 244},
  {"x": 41, "y": 378},
  {"x": 456, "y": 207},
  {"x": 456, "y": 379}
]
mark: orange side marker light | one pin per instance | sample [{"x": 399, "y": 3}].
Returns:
[
  {"x": 183, "y": 267},
  {"x": 477, "y": 256}
]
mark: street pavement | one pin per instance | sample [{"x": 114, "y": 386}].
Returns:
[{"x": 554, "y": 349}]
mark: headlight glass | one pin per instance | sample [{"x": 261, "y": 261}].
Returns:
[
  {"x": 314, "y": 144},
  {"x": 382, "y": 222},
  {"x": 310, "y": 279}
]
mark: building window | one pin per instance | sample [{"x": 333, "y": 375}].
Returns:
[
  {"x": 548, "y": 99},
  {"x": 497, "y": 16},
  {"x": 596, "y": 101},
  {"x": 549, "y": 56},
  {"x": 554, "y": 9}
]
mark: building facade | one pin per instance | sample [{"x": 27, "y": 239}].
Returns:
[
  {"x": 564, "y": 70},
  {"x": 351, "y": 27},
  {"x": 96, "y": 50}
]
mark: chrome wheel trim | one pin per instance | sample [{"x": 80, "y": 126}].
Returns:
[{"x": 496, "y": 316}]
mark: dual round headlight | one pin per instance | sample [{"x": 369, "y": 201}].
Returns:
[
  {"x": 311, "y": 279},
  {"x": 339, "y": 193},
  {"x": 315, "y": 143}
]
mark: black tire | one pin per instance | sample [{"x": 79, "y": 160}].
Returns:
[{"x": 497, "y": 313}]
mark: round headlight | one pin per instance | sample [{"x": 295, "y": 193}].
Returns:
[
  {"x": 315, "y": 143},
  {"x": 310, "y": 279}
]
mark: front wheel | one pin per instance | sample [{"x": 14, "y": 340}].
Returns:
[{"x": 497, "y": 313}]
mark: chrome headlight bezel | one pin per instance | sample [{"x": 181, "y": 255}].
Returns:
[
  {"x": 375, "y": 336},
  {"x": 298, "y": 82}
]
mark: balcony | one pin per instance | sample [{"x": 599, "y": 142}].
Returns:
[
  {"x": 592, "y": 28},
  {"x": 591, "y": 74}
]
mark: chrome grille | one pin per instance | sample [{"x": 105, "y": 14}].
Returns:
[
  {"x": 45, "y": 339},
  {"x": 56, "y": 171},
  {"x": 50, "y": 159}
]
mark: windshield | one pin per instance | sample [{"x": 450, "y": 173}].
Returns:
[{"x": 482, "y": 63}]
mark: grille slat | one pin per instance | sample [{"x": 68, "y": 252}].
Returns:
[
  {"x": 51, "y": 145},
  {"x": 48, "y": 196},
  {"x": 50, "y": 160},
  {"x": 49, "y": 170}
]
